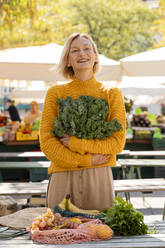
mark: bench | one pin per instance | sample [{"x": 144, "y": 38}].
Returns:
[
  {"x": 154, "y": 153},
  {"x": 138, "y": 163},
  {"x": 34, "y": 173},
  {"x": 18, "y": 160},
  {"x": 128, "y": 185},
  {"x": 39, "y": 154},
  {"x": 32, "y": 167},
  {"x": 21, "y": 154}
]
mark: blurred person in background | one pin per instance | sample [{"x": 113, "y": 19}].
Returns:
[
  {"x": 12, "y": 110},
  {"x": 34, "y": 114}
]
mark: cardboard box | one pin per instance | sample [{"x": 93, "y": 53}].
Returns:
[{"x": 7, "y": 205}]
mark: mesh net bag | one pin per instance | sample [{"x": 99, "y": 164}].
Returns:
[{"x": 90, "y": 231}]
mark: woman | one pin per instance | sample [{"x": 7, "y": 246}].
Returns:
[
  {"x": 34, "y": 114},
  {"x": 87, "y": 178}
]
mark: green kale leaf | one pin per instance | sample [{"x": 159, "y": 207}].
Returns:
[
  {"x": 84, "y": 117},
  {"x": 124, "y": 219}
]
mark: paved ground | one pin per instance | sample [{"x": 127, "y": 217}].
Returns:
[{"x": 152, "y": 206}]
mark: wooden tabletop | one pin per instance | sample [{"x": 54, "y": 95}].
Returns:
[
  {"x": 41, "y": 154},
  {"x": 142, "y": 162},
  {"x": 36, "y": 154},
  {"x": 21, "y": 154},
  {"x": 147, "y": 153},
  {"x": 21, "y": 165},
  {"x": 139, "y": 185},
  {"x": 143, "y": 241}
]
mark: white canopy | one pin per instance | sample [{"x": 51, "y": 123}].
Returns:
[
  {"x": 150, "y": 63},
  {"x": 39, "y": 63},
  {"x": 144, "y": 90}
]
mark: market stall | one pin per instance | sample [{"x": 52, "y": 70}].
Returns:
[
  {"x": 40, "y": 62},
  {"x": 148, "y": 63},
  {"x": 37, "y": 63}
]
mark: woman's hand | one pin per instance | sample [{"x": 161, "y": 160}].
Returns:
[
  {"x": 98, "y": 159},
  {"x": 65, "y": 140}
]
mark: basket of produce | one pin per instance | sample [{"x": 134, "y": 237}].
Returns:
[
  {"x": 140, "y": 120},
  {"x": 52, "y": 228},
  {"x": 26, "y": 132},
  {"x": 144, "y": 134},
  {"x": 20, "y": 136},
  {"x": 68, "y": 224}
]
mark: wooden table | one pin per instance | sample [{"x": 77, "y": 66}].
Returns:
[
  {"x": 40, "y": 188},
  {"x": 22, "y": 154},
  {"x": 147, "y": 153},
  {"x": 38, "y": 154},
  {"x": 31, "y": 160},
  {"x": 6, "y": 162},
  {"x": 158, "y": 172},
  {"x": 33, "y": 167},
  {"x": 138, "y": 163},
  {"x": 23, "y": 165},
  {"x": 126, "y": 186},
  {"x": 142, "y": 241}
]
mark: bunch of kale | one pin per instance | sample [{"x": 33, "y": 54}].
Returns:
[{"x": 84, "y": 117}]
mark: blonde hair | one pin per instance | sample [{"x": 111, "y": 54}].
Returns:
[
  {"x": 34, "y": 103},
  {"x": 67, "y": 72}
]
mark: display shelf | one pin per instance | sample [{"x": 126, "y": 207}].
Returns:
[{"x": 143, "y": 128}]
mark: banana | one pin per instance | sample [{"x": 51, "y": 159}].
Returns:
[
  {"x": 62, "y": 204},
  {"x": 71, "y": 207}
]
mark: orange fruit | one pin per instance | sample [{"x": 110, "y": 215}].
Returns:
[{"x": 104, "y": 231}]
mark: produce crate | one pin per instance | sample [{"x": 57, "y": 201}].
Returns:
[
  {"x": 32, "y": 136},
  {"x": 158, "y": 143},
  {"x": 37, "y": 200},
  {"x": 37, "y": 175},
  {"x": 137, "y": 134}
]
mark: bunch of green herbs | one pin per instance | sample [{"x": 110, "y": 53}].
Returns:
[
  {"x": 124, "y": 219},
  {"x": 84, "y": 117}
]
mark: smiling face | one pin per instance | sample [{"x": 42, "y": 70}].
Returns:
[{"x": 81, "y": 55}]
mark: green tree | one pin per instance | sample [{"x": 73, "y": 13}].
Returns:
[
  {"x": 159, "y": 27},
  {"x": 33, "y": 22},
  {"x": 120, "y": 28},
  {"x": 11, "y": 14}
]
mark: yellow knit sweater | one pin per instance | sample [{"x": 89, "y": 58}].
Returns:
[{"x": 78, "y": 155}]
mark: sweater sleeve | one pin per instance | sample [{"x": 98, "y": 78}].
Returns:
[
  {"x": 113, "y": 144},
  {"x": 50, "y": 145}
]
